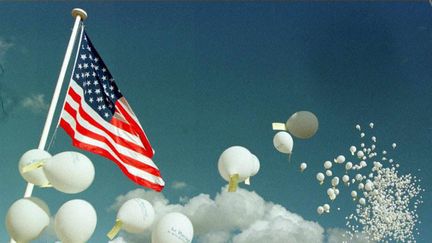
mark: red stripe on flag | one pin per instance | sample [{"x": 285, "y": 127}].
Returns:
[
  {"x": 126, "y": 159},
  {"x": 140, "y": 181}
]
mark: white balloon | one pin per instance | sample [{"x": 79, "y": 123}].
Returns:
[
  {"x": 255, "y": 165},
  {"x": 335, "y": 181},
  {"x": 236, "y": 160},
  {"x": 353, "y": 149},
  {"x": 360, "y": 154},
  {"x": 173, "y": 228},
  {"x": 353, "y": 194},
  {"x": 368, "y": 186},
  {"x": 283, "y": 142},
  {"x": 326, "y": 208},
  {"x": 362, "y": 134},
  {"x": 327, "y": 165},
  {"x": 373, "y": 139},
  {"x": 320, "y": 177},
  {"x": 320, "y": 210},
  {"x": 302, "y": 124},
  {"x": 394, "y": 145},
  {"x": 303, "y": 166},
  {"x": 75, "y": 221},
  {"x": 27, "y": 218},
  {"x": 136, "y": 215},
  {"x": 36, "y": 176},
  {"x": 348, "y": 165},
  {"x": 371, "y": 125},
  {"x": 340, "y": 159},
  {"x": 358, "y": 127},
  {"x": 330, "y": 191},
  {"x": 69, "y": 172},
  {"x": 362, "y": 201},
  {"x": 329, "y": 173},
  {"x": 345, "y": 178}
]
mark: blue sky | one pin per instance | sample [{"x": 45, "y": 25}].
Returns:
[{"x": 205, "y": 76}]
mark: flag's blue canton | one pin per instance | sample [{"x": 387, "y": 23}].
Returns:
[{"x": 100, "y": 90}]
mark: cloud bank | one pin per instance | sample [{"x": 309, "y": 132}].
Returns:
[{"x": 241, "y": 217}]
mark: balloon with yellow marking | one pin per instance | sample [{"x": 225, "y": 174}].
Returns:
[
  {"x": 134, "y": 216},
  {"x": 236, "y": 164},
  {"x": 32, "y": 158}
]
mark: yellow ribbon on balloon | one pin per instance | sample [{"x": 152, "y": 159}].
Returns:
[
  {"x": 115, "y": 229},
  {"x": 232, "y": 187}
]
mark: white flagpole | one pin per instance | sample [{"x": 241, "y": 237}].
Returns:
[{"x": 78, "y": 14}]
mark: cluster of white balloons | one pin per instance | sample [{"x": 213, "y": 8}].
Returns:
[
  {"x": 237, "y": 164},
  {"x": 302, "y": 124},
  {"x": 68, "y": 172},
  {"x": 137, "y": 215},
  {"x": 386, "y": 202},
  {"x": 27, "y": 218}
]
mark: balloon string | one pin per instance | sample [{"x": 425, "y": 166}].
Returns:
[{"x": 53, "y": 137}]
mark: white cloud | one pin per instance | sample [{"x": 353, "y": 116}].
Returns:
[
  {"x": 178, "y": 185},
  {"x": 238, "y": 217},
  {"x": 336, "y": 235},
  {"x": 4, "y": 47},
  {"x": 36, "y": 103}
]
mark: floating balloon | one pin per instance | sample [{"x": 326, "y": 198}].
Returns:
[
  {"x": 320, "y": 210},
  {"x": 27, "y": 218},
  {"x": 335, "y": 181},
  {"x": 345, "y": 179},
  {"x": 362, "y": 201},
  {"x": 374, "y": 139},
  {"x": 69, "y": 172},
  {"x": 368, "y": 186},
  {"x": 236, "y": 164},
  {"x": 360, "y": 154},
  {"x": 330, "y": 191},
  {"x": 302, "y": 124},
  {"x": 134, "y": 216},
  {"x": 348, "y": 165},
  {"x": 75, "y": 221},
  {"x": 173, "y": 228},
  {"x": 320, "y": 177},
  {"x": 283, "y": 142},
  {"x": 340, "y": 159},
  {"x": 354, "y": 194},
  {"x": 329, "y": 173},
  {"x": 358, "y": 127},
  {"x": 371, "y": 125},
  {"x": 393, "y": 145},
  {"x": 30, "y": 166},
  {"x": 362, "y": 134},
  {"x": 326, "y": 208},
  {"x": 327, "y": 165},
  {"x": 303, "y": 167},
  {"x": 353, "y": 149}
]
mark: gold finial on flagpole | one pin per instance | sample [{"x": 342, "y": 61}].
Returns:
[{"x": 79, "y": 12}]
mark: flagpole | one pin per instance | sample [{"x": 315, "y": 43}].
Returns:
[{"x": 79, "y": 15}]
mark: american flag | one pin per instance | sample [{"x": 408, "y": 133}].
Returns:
[{"x": 98, "y": 118}]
